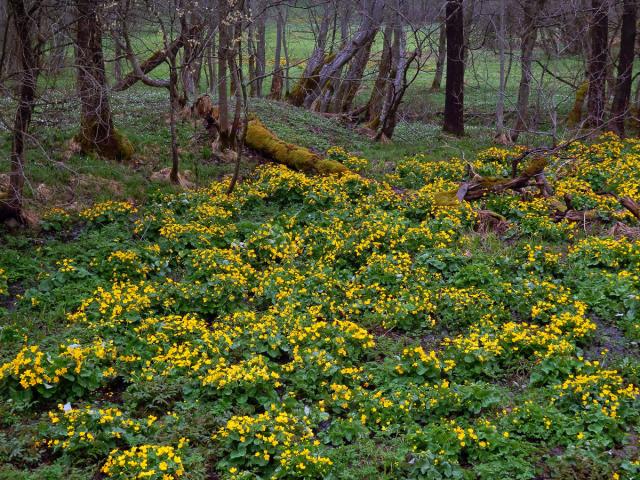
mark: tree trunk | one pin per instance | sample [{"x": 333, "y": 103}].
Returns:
[
  {"x": 211, "y": 64},
  {"x": 454, "y": 95},
  {"x": 378, "y": 93},
  {"x": 191, "y": 23},
  {"x": 599, "y": 33},
  {"x": 343, "y": 98},
  {"x": 24, "y": 23},
  {"x": 276, "y": 77},
  {"x": 531, "y": 11},
  {"x": 96, "y": 125},
  {"x": 223, "y": 94},
  {"x": 372, "y": 19},
  {"x": 251, "y": 53},
  {"x": 287, "y": 58},
  {"x": 501, "y": 134},
  {"x": 442, "y": 55},
  {"x": 261, "y": 61},
  {"x": 469, "y": 14},
  {"x": 622, "y": 93},
  {"x": 308, "y": 81},
  {"x": 389, "y": 115},
  {"x": 174, "y": 100}
]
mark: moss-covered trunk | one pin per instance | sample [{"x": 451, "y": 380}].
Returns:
[
  {"x": 262, "y": 140},
  {"x": 97, "y": 133}
]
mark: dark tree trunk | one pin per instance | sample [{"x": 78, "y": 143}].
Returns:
[
  {"x": 599, "y": 33},
  {"x": 96, "y": 125},
  {"x": 11, "y": 207},
  {"x": 223, "y": 54},
  {"x": 531, "y": 11},
  {"x": 174, "y": 104},
  {"x": 442, "y": 55},
  {"x": 454, "y": 96},
  {"x": 622, "y": 93}
]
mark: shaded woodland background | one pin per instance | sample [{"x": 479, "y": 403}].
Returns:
[{"x": 123, "y": 81}]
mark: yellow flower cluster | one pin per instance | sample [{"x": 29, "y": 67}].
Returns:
[
  {"x": 276, "y": 437},
  {"x": 108, "y": 211},
  {"x": 352, "y": 162},
  {"x": 154, "y": 462},
  {"x": 82, "y": 426},
  {"x": 600, "y": 389},
  {"x": 32, "y": 367},
  {"x": 3, "y": 282}
]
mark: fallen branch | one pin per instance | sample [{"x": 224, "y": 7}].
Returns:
[
  {"x": 479, "y": 187},
  {"x": 631, "y": 205}
]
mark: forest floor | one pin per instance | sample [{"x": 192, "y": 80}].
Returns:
[
  {"x": 348, "y": 327},
  {"x": 60, "y": 177}
]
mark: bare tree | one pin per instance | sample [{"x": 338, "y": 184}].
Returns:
[
  {"x": 454, "y": 96},
  {"x": 372, "y": 18},
  {"x": 97, "y": 133},
  {"x": 442, "y": 56},
  {"x": 501, "y": 134},
  {"x": 309, "y": 80},
  {"x": 373, "y": 107},
  {"x": 599, "y": 33},
  {"x": 622, "y": 93},
  {"x": 277, "y": 78},
  {"x": 25, "y": 24},
  {"x": 531, "y": 12}
]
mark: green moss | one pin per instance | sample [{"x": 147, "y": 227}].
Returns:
[
  {"x": 115, "y": 147},
  {"x": 261, "y": 139},
  {"x": 446, "y": 199},
  {"x": 575, "y": 115},
  {"x": 535, "y": 166}
]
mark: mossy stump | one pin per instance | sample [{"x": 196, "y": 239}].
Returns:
[{"x": 114, "y": 145}]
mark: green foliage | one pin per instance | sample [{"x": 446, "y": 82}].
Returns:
[{"x": 319, "y": 327}]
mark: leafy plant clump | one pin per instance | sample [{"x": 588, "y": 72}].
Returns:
[{"x": 335, "y": 327}]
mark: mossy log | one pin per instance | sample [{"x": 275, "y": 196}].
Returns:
[
  {"x": 262, "y": 140},
  {"x": 479, "y": 187},
  {"x": 265, "y": 142}
]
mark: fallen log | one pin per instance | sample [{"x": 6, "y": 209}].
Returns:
[
  {"x": 479, "y": 187},
  {"x": 263, "y": 141}
]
